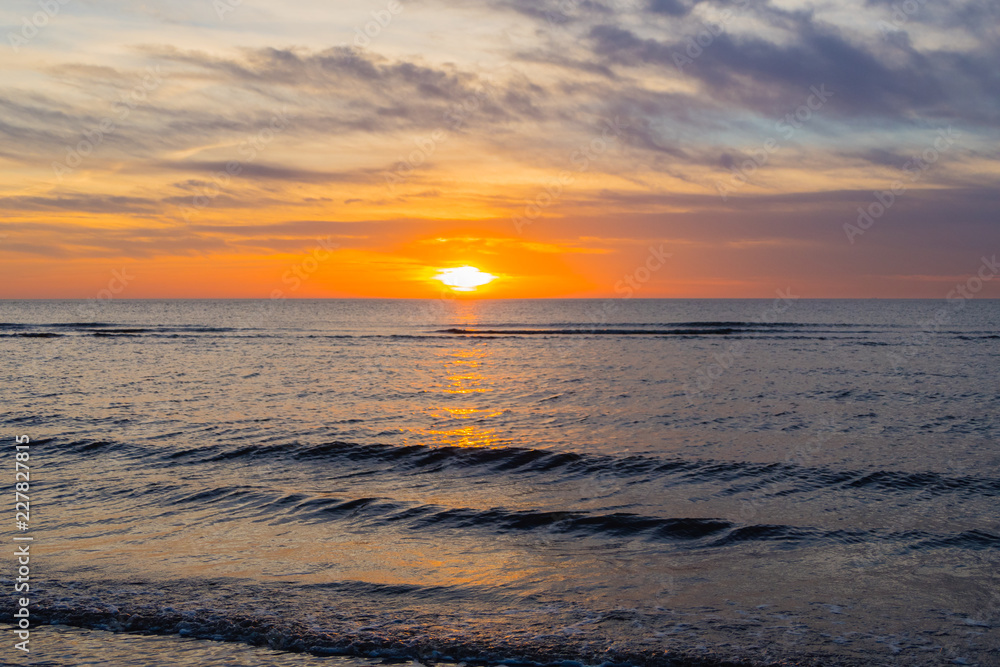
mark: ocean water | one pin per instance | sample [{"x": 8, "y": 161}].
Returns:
[{"x": 566, "y": 481}]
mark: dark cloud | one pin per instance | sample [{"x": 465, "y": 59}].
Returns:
[
  {"x": 82, "y": 203},
  {"x": 975, "y": 17},
  {"x": 972, "y": 201},
  {"x": 307, "y": 228},
  {"x": 671, "y": 7},
  {"x": 32, "y": 122},
  {"x": 564, "y": 61},
  {"x": 72, "y": 239},
  {"x": 52, "y": 251},
  {"x": 763, "y": 75},
  {"x": 265, "y": 172},
  {"x": 561, "y": 12},
  {"x": 882, "y": 157}
]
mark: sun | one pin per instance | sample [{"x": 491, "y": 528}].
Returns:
[{"x": 464, "y": 278}]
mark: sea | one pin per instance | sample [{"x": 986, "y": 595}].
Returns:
[{"x": 503, "y": 482}]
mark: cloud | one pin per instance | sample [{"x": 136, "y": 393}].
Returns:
[
  {"x": 212, "y": 100},
  {"x": 269, "y": 172},
  {"x": 505, "y": 132},
  {"x": 359, "y": 90},
  {"x": 671, "y": 7},
  {"x": 970, "y": 16},
  {"x": 764, "y": 58},
  {"x": 81, "y": 203},
  {"x": 762, "y": 75},
  {"x": 561, "y": 12}
]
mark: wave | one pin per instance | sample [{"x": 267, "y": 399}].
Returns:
[
  {"x": 391, "y": 623},
  {"x": 701, "y": 324},
  {"x": 682, "y": 532},
  {"x": 109, "y": 327},
  {"x": 500, "y": 520},
  {"x": 477, "y": 335},
  {"x": 265, "y": 504},
  {"x": 593, "y": 332},
  {"x": 53, "y": 325},
  {"x": 734, "y": 328},
  {"x": 740, "y": 477},
  {"x": 783, "y": 329},
  {"x": 573, "y": 464}
]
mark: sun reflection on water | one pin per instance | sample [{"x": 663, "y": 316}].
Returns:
[
  {"x": 465, "y": 425},
  {"x": 463, "y": 372},
  {"x": 461, "y": 375}
]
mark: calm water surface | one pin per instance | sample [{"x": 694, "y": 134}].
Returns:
[{"x": 595, "y": 481}]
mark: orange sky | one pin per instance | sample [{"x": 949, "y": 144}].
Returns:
[{"x": 169, "y": 150}]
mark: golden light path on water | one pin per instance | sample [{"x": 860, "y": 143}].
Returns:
[{"x": 464, "y": 373}]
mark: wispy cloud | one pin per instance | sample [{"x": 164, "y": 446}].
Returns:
[{"x": 484, "y": 104}]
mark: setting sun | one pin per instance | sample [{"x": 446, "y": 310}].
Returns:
[{"x": 464, "y": 278}]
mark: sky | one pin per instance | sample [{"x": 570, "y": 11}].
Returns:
[{"x": 569, "y": 148}]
